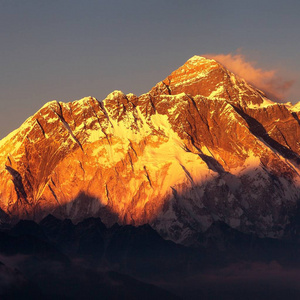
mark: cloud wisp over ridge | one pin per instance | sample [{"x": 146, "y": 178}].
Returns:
[{"x": 268, "y": 81}]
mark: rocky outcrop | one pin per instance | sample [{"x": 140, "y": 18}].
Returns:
[{"x": 201, "y": 146}]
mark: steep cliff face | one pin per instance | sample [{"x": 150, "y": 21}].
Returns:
[{"x": 201, "y": 146}]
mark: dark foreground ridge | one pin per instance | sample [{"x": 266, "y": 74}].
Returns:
[{"x": 56, "y": 258}]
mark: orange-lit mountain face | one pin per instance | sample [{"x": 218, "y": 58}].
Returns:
[{"x": 202, "y": 145}]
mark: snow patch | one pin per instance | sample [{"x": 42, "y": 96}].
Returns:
[
  {"x": 196, "y": 60},
  {"x": 266, "y": 103},
  {"x": 216, "y": 93}
]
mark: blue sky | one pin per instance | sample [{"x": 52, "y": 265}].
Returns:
[{"x": 66, "y": 50}]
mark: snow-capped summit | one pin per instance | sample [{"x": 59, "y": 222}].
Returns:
[
  {"x": 196, "y": 59},
  {"x": 200, "y": 76}
]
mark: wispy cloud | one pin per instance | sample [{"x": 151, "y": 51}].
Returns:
[{"x": 266, "y": 80}]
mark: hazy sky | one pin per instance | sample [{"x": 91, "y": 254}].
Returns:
[{"x": 66, "y": 50}]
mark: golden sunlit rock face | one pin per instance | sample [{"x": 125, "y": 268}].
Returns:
[{"x": 202, "y": 145}]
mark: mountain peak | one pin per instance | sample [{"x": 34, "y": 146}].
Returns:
[
  {"x": 197, "y": 59},
  {"x": 201, "y": 76},
  {"x": 115, "y": 94},
  {"x": 193, "y": 69},
  {"x": 201, "y": 146}
]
